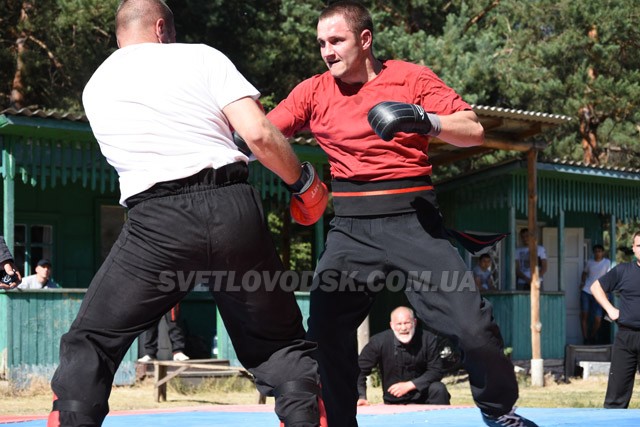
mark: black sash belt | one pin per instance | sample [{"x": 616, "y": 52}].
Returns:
[
  {"x": 353, "y": 198},
  {"x": 380, "y": 198},
  {"x": 225, "y": 175}
]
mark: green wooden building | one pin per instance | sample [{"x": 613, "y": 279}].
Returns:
[
  {"x": 60, "y": 201},
  {"x": 577, "y": 205}
]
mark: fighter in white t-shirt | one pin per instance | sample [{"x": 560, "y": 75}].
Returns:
[
  {"x": 181, "y": 128},
  {"x": 162, "y": 113}
]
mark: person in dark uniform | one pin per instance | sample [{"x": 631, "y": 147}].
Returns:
[
  {"x": 176, "y": 338},
  {"x": 409, "y": 363},
  {"x": 9, "y": 275},
  {"x": 625, "y": 355}
]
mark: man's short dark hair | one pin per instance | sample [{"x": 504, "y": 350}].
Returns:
[
  {"x": 355, "y": 14},
  {"x": 483, "y": 256},
  {"x": 598, "y": 246}
]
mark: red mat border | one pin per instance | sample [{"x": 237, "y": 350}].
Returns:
[{"x": 369, "y": 410}]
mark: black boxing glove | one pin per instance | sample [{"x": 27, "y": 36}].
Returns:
[
  {"x": 241, "y": 144},
  {"x": 388, "y": 118}
]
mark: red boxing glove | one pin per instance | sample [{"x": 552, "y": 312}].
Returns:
[{"x": 308, "y": 204}]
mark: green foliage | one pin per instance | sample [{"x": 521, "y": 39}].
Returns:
[
  {"x": 301, "y": 255},
  {"x": 272, "y": 42},
  {"x": 540, "y": 55},
  {"x": 299, "y": 245},
  {"x": 64, "y": 41},
  {"x": 551, "y": 50},
  {"x": 624, "y": 239}
]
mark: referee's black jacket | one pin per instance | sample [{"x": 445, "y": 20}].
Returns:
[{"x": 418, "y": 361}]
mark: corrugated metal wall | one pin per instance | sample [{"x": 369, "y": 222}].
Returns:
[
  {"x": 32, "y": 323},
  {"x": 512, "y": 312}
]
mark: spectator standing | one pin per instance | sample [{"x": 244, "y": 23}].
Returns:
[{"x": 595, "y": 268}]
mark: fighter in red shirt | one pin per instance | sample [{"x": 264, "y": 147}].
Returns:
[{"x": 374, "y": 119}]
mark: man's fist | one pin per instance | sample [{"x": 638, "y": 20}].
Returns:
[
  {"x": 9, "y": 276},
  {"x": 388, "y": 118},
  {"x": 309, "y": 198}
]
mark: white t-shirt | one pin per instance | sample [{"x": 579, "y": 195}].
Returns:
[
  {"x": 595, "y": 270},
  {"x": 156, "y": 111},
  {"x": 31, "y": 282},
  {"x": 522, "y": 258}
]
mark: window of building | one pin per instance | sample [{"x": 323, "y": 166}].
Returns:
[
  {"x": 495, "y": 254},
  {"x": 33, "y": 242}
]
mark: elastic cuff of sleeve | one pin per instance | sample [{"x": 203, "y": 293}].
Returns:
[
  {"x": 436, "y": 125},
  {"x": 305, "y": 178}
]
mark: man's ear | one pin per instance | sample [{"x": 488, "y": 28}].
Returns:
[
  {"x": 366, "y": 39},
  {"x": 161, "y": 31}
]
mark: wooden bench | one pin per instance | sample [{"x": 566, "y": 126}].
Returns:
[{"x": 217, "y": 367}]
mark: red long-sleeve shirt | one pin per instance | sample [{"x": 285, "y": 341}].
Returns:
[{"x": 336, "y": 115}]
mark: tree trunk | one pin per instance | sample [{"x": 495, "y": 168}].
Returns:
[
  {"x": 588, "y": 131},
  {"x": 16, "y": 99},
  {"x": 588, "y": 119}
]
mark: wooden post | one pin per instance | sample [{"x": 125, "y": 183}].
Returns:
[
  {"x": 8, "y": 198},
  {"x": 613, "y": 243},
  {"x": 160, "y": 371},
  {"x": 363, "y": 334},
  {"x": 537, "y": 371}
]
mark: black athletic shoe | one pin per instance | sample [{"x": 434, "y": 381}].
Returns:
[{"x": 510, "y": 419}]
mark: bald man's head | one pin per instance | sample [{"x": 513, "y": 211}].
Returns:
[
  {"x": 144, "y": 21},
  {"x": 403, "y": 323}
]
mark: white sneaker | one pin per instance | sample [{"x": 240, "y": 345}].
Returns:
[
  {"x": 180, "y": 357},
  {"x": 146, "y": 358}
]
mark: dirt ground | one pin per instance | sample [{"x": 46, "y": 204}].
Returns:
[{"x": 37, "y": 399}]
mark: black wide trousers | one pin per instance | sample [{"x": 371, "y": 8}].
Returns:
[
  {"x": 183, "y": 232},
  {"x": 405, "y": 252}
]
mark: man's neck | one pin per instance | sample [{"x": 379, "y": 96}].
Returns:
[{"x": 372, "y": 68}]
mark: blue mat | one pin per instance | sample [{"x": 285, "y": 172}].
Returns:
[{"x": 458, "y": 417}]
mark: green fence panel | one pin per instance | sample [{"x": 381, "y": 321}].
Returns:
[
  {"x": 32, "y": 323},
  {"x": 512, "y": 312}
]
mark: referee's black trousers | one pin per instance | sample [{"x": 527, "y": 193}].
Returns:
[
  {"x": 625, "y": 361},
  {"x": 405, "y": 252},
  {"x": 167, "y": 243}
]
